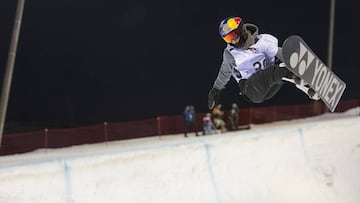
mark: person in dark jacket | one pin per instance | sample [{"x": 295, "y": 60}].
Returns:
[{"x": 233, "y": 118}]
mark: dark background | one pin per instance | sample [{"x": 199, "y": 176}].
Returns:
[{"x": 85, "y": 61}]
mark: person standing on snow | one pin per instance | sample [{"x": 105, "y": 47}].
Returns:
[
  {"x": 254, "y": 61},
  {"x": 233, "y": 117},
  {"x": 190, "y": 120}
]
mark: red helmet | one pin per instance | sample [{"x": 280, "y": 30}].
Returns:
[{"x": 231, "y": 28}]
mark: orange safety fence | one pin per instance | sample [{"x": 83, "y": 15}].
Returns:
[{"x": 162, "y": 125}]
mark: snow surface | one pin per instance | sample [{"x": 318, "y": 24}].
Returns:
[{"x": 305, "y": 160}]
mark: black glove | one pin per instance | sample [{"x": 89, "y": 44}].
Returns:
[{"x": 213, "y": 98}]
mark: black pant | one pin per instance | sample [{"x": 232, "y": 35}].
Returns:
[
  {"x": 263, "y": 84},
  {"x": 190, "y": 125}
]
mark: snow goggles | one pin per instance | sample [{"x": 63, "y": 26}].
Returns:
[{"x": 233, "y": 35}]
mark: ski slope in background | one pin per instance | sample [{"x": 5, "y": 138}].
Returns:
[{"x": 307, "y": 160}]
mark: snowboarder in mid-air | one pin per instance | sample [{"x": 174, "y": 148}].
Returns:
[{"x": 254, "y": 61}]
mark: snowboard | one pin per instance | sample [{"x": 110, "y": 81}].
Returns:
[{"x": 304, "y": 63}]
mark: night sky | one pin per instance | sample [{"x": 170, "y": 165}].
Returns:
[{"x": 83, "y": 62}]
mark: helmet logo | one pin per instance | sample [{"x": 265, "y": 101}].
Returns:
[
  {"x": 229, "y": 25},
  {"x": 232, "y": 23}
]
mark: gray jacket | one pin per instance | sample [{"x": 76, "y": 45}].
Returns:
[{"x": 228, "y": 65}]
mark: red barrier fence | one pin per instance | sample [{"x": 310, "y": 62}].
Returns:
[{"x": 162, "y": 125}]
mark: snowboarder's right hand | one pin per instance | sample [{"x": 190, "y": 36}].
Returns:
[{"x": 213, "y": 98}]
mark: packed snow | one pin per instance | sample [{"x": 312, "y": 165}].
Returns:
[{"x": 305, "y": 160}]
